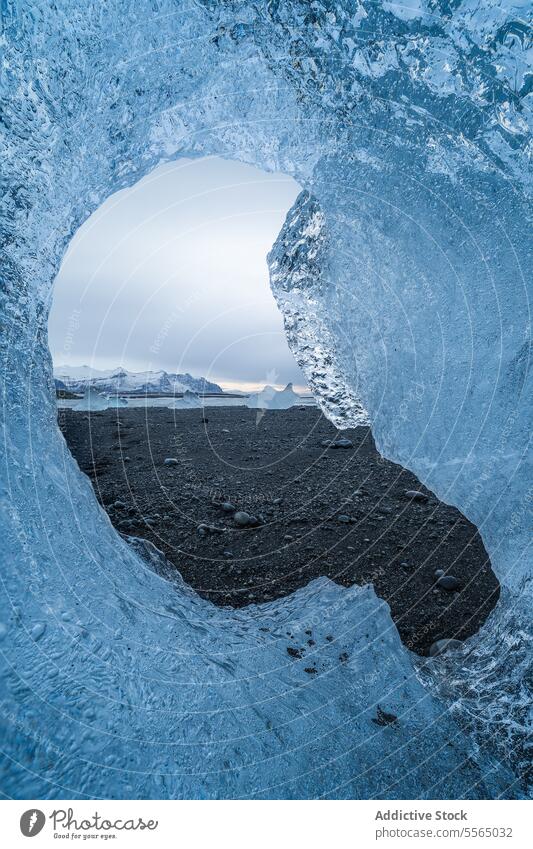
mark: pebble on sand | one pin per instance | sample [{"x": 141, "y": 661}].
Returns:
[
  {"x": 244, "y": 520},
  {"x": 203, "y": 529},
  {"x": 449, "y": 582},
  {"x": 415, "y": 495},
  {"x": 339, "y": 442}
]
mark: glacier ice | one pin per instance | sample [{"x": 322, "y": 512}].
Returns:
[
  {"x": 92, "y": 400},
  {"x": 189, "y": 400},
  {"x": 116, "y": 401},
  {"x": 270, "y": 398},
  {"x": 401, "y": 274}
]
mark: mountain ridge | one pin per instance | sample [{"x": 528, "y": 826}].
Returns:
[{"x": 119, "y": 380}]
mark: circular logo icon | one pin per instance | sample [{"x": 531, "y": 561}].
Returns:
[{"x": 32, "y": 822}]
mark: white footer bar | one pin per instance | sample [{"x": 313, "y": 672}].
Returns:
[{"x": 267, "y": 825}]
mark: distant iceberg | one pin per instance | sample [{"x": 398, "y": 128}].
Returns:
[
  {"x": 92, "y": 400},
  {"x": 116, "y": 401},
  {"x": 274, "y": 399},
  {"x": 189, "y": 400}
]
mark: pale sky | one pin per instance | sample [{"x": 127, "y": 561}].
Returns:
[{"x": 171, "y": 274}]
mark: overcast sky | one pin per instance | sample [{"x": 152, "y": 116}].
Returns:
[{"x": 171, "y": 274}]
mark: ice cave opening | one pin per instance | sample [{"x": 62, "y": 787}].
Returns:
[
  {"x": 173, "y": 270},
  {"x": 401, "y": 275}
]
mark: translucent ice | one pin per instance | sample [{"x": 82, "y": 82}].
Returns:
[
  {"x": 92, "y": 400},
  {"x": 116, "y": 401},
  {"x": 274, "y": 399},
  {"x": 189, "y": 400},
  {"x": 401, "y": 275}
]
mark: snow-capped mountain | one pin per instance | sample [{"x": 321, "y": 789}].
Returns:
[
  {"x": 82, "y": 372},
  {"x": 119, "y": 380}
]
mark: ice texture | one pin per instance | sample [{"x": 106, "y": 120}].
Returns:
[{"x": 401, "y": 273}]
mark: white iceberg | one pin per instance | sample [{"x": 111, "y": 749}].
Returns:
[
  {"x": 273, "y": 399},
  {"x": 92, "y": 400},
  {"x": 188, "y": 401},
  {"x": 116, "y": 401}
]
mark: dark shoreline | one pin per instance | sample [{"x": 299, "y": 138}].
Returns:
[{"x": 340, "y": 512}]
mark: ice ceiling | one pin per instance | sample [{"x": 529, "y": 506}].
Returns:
[{"x": 401, "y": 275}]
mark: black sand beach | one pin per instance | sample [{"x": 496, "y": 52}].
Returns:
[{"x": 312, "y": 510}]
